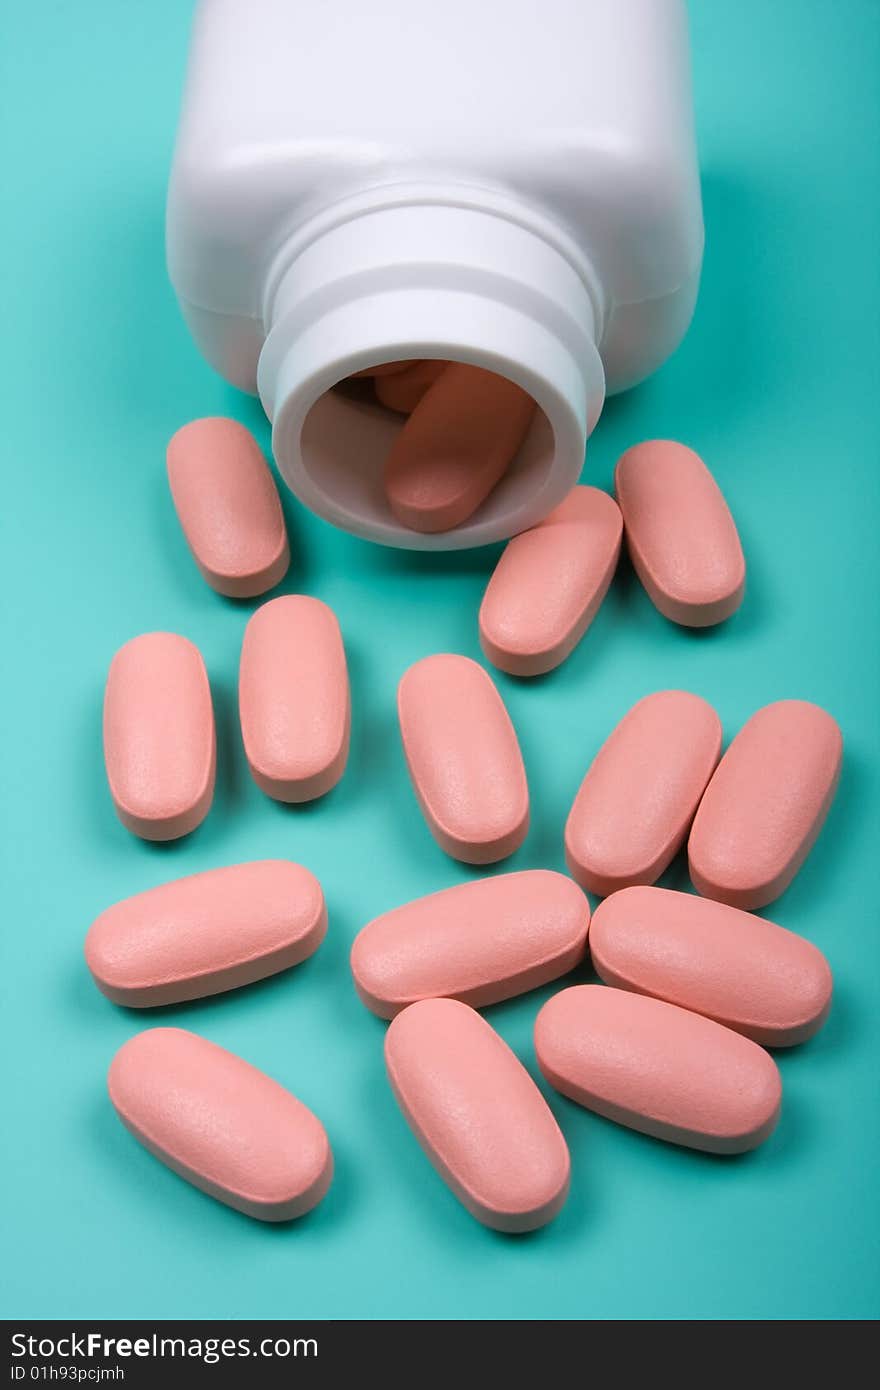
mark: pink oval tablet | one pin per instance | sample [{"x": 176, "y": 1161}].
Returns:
[
  {"x": 549, "y": 583},
  {"x": 159, "y": 742},
  {"x": 455, "y": 446},
  {"x": 478, "y": 1115},
  {"x": 464, "y": 759},
  {"x": 634, "y": 807},
  {"x": 744, "y": 972},
  {"x": 681, "y": 537},
  {"x": 206, "y": 933},
  {"x": 220, "y": 1123},
  {"x": 402, "y": 391},
  {"x": 766, "y": 804},
  {"x": 659, "y": 1069},
  {"x": 478, "y": 942},
  {"x": 228, "y": 506},
  {"x": 294, "y": 698}
]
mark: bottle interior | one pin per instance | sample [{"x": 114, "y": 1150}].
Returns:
[{"x": 347, "y": 436}]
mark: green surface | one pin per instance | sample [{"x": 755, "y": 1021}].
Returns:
[{"x": 776, "y": 386}]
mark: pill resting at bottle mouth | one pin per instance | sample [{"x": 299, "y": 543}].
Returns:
[{"x": 455, "y": 447}]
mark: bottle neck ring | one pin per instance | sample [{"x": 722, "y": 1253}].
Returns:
[{"x": 418, "y": 280}]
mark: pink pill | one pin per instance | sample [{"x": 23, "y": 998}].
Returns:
[
  {"x": 455, "y": 447},
  {"x": 478, "y": 942},
  {"x": 402, "y": 391},
  {"x": 478, "y": 1115},
  {"x": 659, "y": 1069},
  {"x": 159, "y": 743},
  {"x": 206, "y": 933},
  {"x": 682, "y": 540},
  {"x": 294, "y": 698},
  {"x": 766, "y": 804},
  {"x": 549, "y": 583},
  {"x": 742, "y": 971},
  {"x": 220, "y": 1123},
  {"x": 632, "y": 812},
  {"x": 463, "y": 758},
  {"x": 228, "y": 506}
]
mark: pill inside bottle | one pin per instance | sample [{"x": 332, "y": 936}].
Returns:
[{"x": 455, "y": 447}]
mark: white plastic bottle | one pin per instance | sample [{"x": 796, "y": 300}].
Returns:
[{"x": 501, "y": 182}]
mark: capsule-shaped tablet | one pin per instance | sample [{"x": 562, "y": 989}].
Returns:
[
  {"x": 682, "y": 540},
  {"x": 455, "y": 446},
  {"x": 294, "y": 698},
  {"x": 463, "y": 758},
  {"x": 220, "y": 1123},
  {"x": 228, "y": 505},
  {"x": 206, "y": 933},
  {"x": 478, "y": 1115},
  {"x": 402, "y": 391},
  {"x": 159, "y": 740},
  {"x": 765, "y": 804},
  {"x": 549, "y": 583},
  {"x": 478, "y": 942},
  {"x": 741, "y": 970},
  {"x": 636, "y": 803},
  {"x": 659, "y": 1069}
]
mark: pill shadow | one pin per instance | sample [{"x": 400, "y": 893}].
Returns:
[
  {"x": 88, "y": 774},
  {"x": 844, "y": 1024},
  {"x": 348, "y": 1012},
  {"x": 80, "y": 993},
  {"x": 676, "y": 877},
  {"x": 787, "y": 1144},
  {"x": 167, "y": 536},
  {"x": 626, "y": 601},
  {"x": 187, "y": 1013},
  {"x": 374, "y": 735},
  {"x": 543, "y": 846},
  {"x": 230, "y": 786}
]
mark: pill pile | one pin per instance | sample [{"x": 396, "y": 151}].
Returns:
[{"x": 694, "y": 987}]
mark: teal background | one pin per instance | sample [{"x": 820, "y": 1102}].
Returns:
[{"x": 776, "y": 385}]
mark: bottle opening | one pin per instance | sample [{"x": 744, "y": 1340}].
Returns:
[
  {"x": 458, "y": 482},
  {"x": 419, "y": 283}
]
